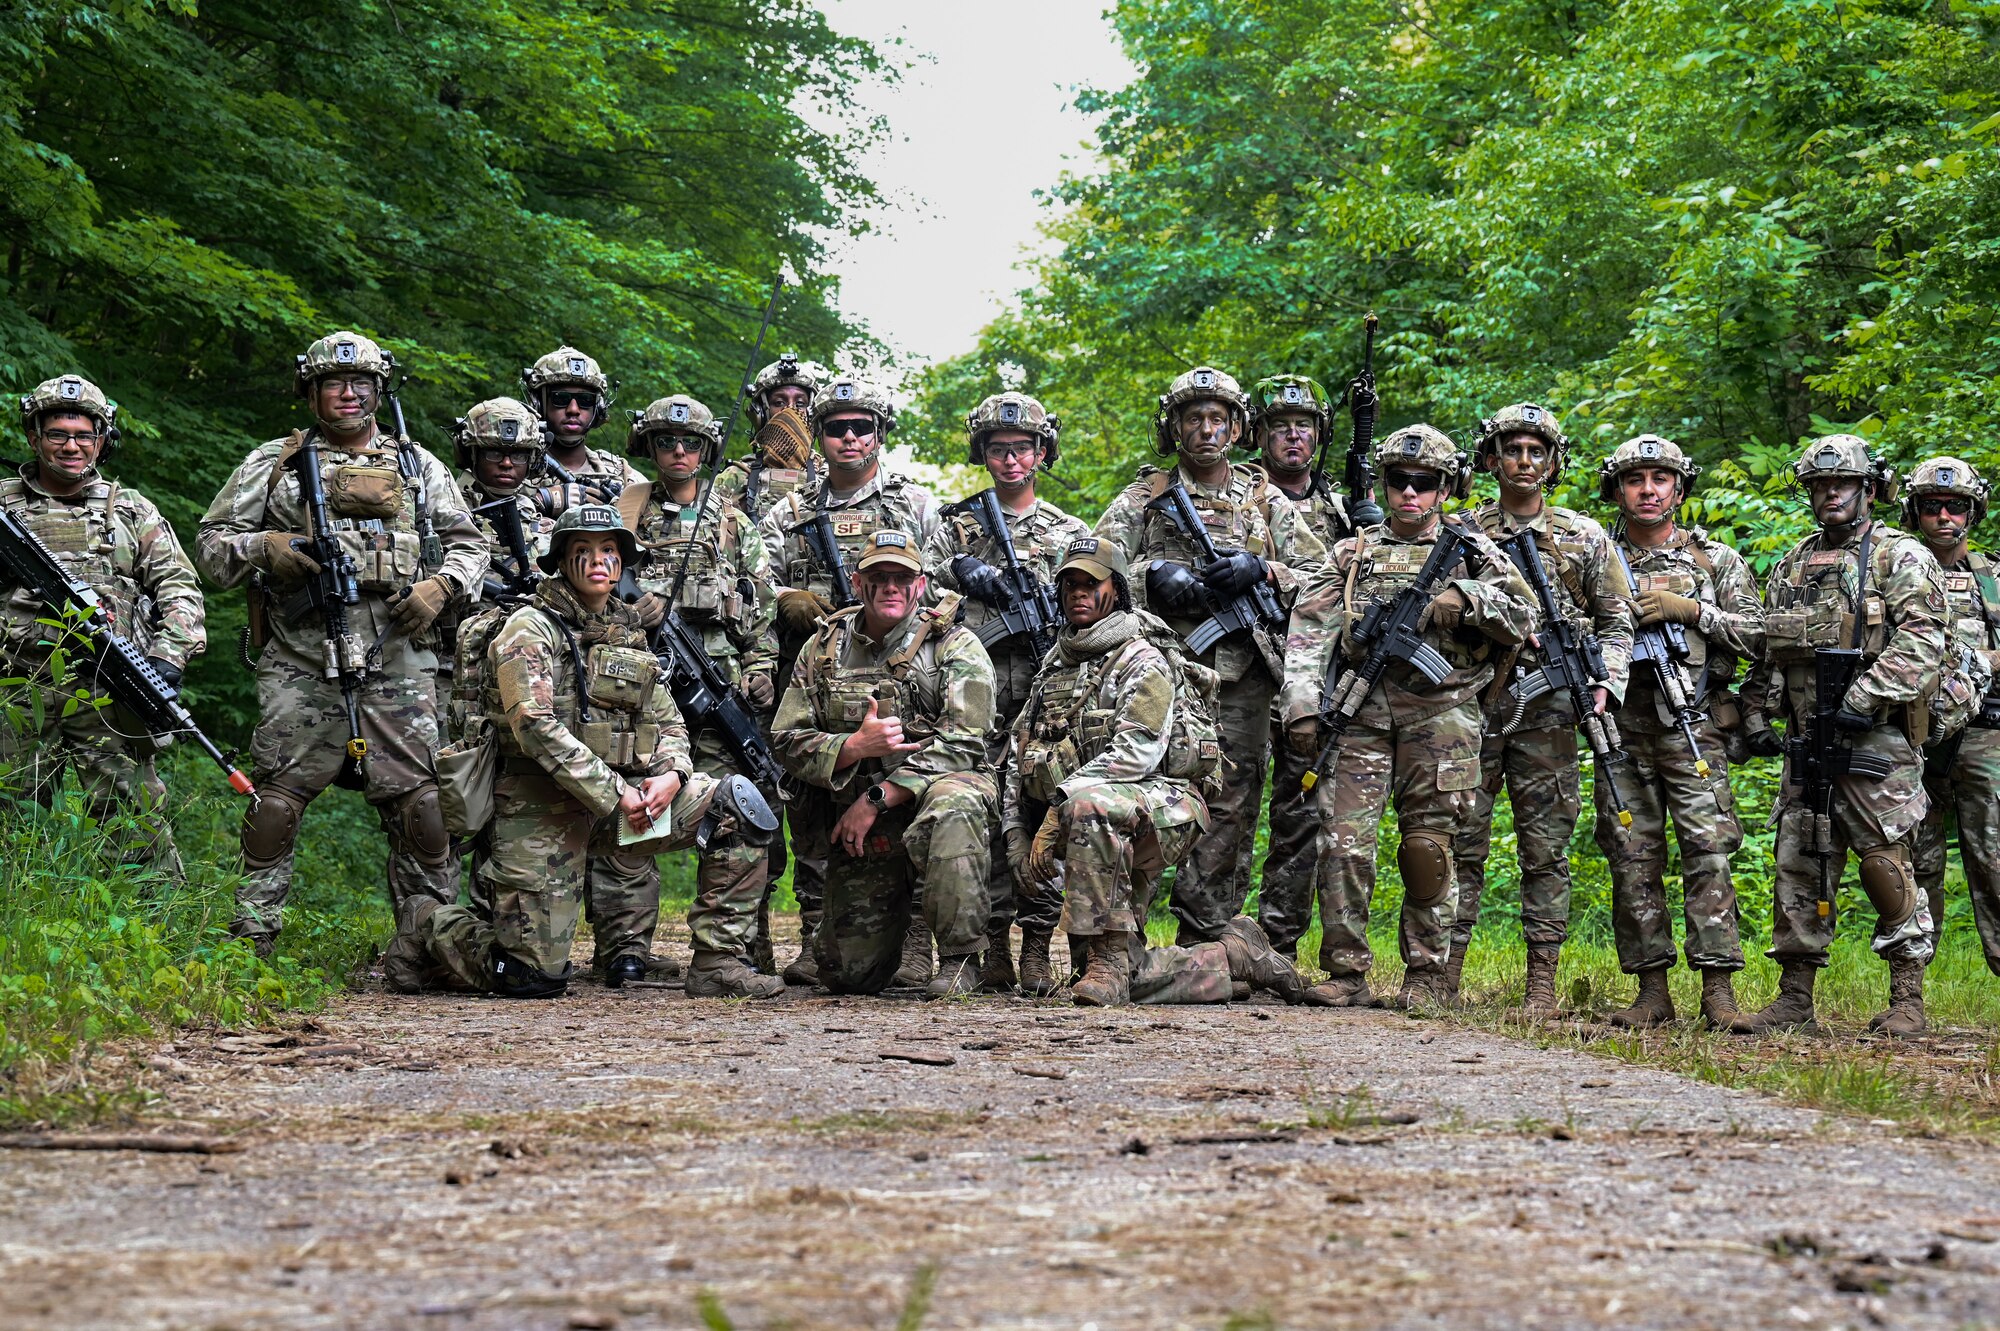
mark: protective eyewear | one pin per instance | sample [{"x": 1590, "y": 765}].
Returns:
[
  {"x": 518, "y": 457},
  {"x": 64, "y": 438},
  {"x": 1020, "y": 448},
  {"x": 1416, "y": 482},
  {"x": 357, "y": 385},
  {"x": 847, "y": 429},
  {"x": 1932, "y": 505},
  {"x": 572, "y": 397},
  {"x": 678, "y": 443}
]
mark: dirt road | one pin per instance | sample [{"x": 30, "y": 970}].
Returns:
[{"x": 606, "y": 1159}]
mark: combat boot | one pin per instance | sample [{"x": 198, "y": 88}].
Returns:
[
  {"x": 1424, "y": 988},
  {"x": 660, "y": 966},
  {"x": 915, "y": 972},
  {"x": 726, "y": 975},
  {"x": 996, "y": 973},
  {"x": 1905, "y": 1016},
  {"x": 1653, "y": 1007},
  {"x": 1037, "y": 980},
  {"x": 1718, "y": 1003},
  {"x": 804, "y": 970},
  {"x": 1254, "y": 961},
  {"x": 1350, "y": 990},
  {"x": 1107, "y": 977},
  {"x": 956, "y": 976},
  {"x": 406, "y": 964},
  {"x": 622, "y": 970},
  {"x": 1792, "y": 1009},
  {"x": 1454, "y": 972},
  {"x": 1540, "y": 999}
]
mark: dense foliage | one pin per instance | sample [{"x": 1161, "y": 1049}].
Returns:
[{"x": 1734, "y": 224}]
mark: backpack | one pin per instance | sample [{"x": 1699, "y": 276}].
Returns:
[{"x": 468, "y": 765}]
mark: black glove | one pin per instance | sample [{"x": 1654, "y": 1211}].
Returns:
[
  {"x": 1233, "y": 573},
  {"x": 1763, "y": 742},
  {"x": 166, "y": 670},
  {"x": 1172, "y": 589},
  {"x": 982, "y": 582},
  {"x": 1853, "y": 722}
]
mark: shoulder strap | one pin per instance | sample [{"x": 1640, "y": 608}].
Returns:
[
  {"x": 1861, "y": 587},
  {"x": 1158, "y": 483},
  {"x": 937, "y": 621},
  {"x": 293, "y": 442}
]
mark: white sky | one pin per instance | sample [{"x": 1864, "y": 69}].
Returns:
[{"x": 974, "y": 132}]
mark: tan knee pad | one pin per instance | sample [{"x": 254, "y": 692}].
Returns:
[
  {"x": 1890, "y": 880},
  {"x": 1425, "y": 861},
  {"x": 419, "y": 824},
  {"x": 271, "y": 825}
]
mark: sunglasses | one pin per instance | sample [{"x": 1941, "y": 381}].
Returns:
[
  {"x": 1932, "y": 505},
  {"x": 570, "y": 397},
  {"x": 1416, "y": 482},
  {"x": 847, "y": 429},
  {"x": 677, "y": 444}
]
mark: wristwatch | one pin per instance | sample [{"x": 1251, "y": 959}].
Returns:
[{"x": 876, "y": 796}]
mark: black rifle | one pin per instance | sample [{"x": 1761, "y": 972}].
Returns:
[
  {"x": 116, "y": 666},
  {"x": 756, "y": 354},
  {"x": 518, "y": 574},
  {"x": 817, "y": 532},
  {"x": 611, "y": 486},
  {"x": 1252, "y": 606},
  {"x": 1572, "y": 662},
  {"x": 1034, "y": 613},
  {"x": 430, "y": 550},
  {"x": 707, "y": 701},
  {"x": 1663, "y": 649},
  {"x": 1819, "y": 753},
  {"x": 1390, "y": 631},
  {"x": 1361, "y": 404},
  {"x": 330, "y": 591}
]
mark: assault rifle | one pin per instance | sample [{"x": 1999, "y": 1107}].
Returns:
[
  {"x": 116, "y": 668},
  {"x": 1362, "y": 403},
  {"x": 1249, "y": 608},
  {"x": 1034, "y": 613},
  {"x": 609, "y": 486},
  {"x": 1819, "y": 753},
  {"x": 430, "y": 550},
  {"x": 1572, "y": 662},
  {"x": 817, "y": 532},
  {"x": 330, "y": 591},
  {"x": 1390, "y": 631},
  {"x": 1663, "y": 649},
  {"x": 518, "y": 574}
]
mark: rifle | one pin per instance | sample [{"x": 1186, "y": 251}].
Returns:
[
  {"x": 330, "y": 591},
  {"x": 817, "y": 532},
  {"x": 1388, "y": 632},
  {"x": 430, "y": 550},
  {"x": 611, "y": 486},
  {"x": 1822, "y": 755},
  {"x": 1247, "y": 609},
  {"x": 1034, "y": 613},
  {"x": 120, "y": 671},
  {"x": 1663, "y": 649},
  {"x": 518, "y": 574},
  {"x": 1361, "y": 404},
  {"x": 1572, "y": 662}
]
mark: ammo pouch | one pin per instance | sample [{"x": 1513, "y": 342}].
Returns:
[
  {"x": 619, "y": 680},
  {"x": 356, "y": 490},
  {"x": 466, "y": 773},
  {"x": 1045, "y": 766}
]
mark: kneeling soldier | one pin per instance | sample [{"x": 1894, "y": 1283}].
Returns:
[{"x": 591, "y": 747}]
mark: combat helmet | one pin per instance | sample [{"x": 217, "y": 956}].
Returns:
[
  {"x": 566, "y": 365},
  {"x": 788, "y": 369},
  {"x": 589, "y": 519},
  {"x": 72, "y": 394},
  {"x": 848, "y": 394},
  {"x": 1012, "y": 411},
  {"x": 679, "y": 414},
  {"x": 1845, "y": 455},
  {"x": 1430, "y": 448},
  {"x": 1645, "y": 450},
  {"x": 1523, "y": 418},
  {"x": 342, "y": 353},
  {"x": 1280, "y": 394},
  {"x": 1204, "y": 383},
  {"x": 502, "y": 423},
  {"x": 1945, "y": 476}
]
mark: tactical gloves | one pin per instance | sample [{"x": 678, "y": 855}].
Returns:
[
  {"x": 760, "y": 689},
  {"x": 1446, "y": 610},
  {"x": 277, "y": 556},
  {"x": 1760, "y": 740},
  {"x": 1234, "y": 573},
  {"x": 1658, "y": 607},
  {"x": 169, "y": 673},
  {"x": 1853, "y": 722},
  {"x": 982, "y": 582},
  {"x": 556, "y": 500},
  {"x": 1172, "y": 589},
  {"x": 799, "y": 610},
  {"x": 420, "y": 604},
  {"x": 1042, "y": 856}
]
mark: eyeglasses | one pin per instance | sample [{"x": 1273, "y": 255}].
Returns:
[
  {"x": 677, "y": 444},
  {"x": 1932, "y": 505},
  {"x": 1020, "y": 448},
  {"x": 852, "y": 427},
  {"x": 353, "y": 385},
  {"x": 64, "y": 438},
  {"x": 1416, "y": 482},
  {"x": 572, "y": 397},
  {"x": 519, "y": 457}
]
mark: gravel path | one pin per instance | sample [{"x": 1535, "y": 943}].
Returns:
[{"x": 605, "y": 1160}]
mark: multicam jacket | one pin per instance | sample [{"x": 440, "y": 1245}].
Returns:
[
  {"x": 726, "y": 596},
  {"x": 885, "y": 502},
  {"x": 756, "y": 489},
  {"x": 1731, "y": 630},
  {"x": 535, "y": 524},
  {"x": 1589, "y": 583},
  {"x": 1321, "y": 509}
]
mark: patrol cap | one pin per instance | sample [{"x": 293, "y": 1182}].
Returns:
[
  {"x": 889, "y": 547},
  {"x": 589, "y": 519},
  {"x": 1096, "y": 556}
]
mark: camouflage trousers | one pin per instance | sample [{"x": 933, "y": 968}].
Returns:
[
  {"x": 1658, "y": 780},
  {"x": 1428, "y": 764},
  {"x": 929, "y": 858},
  {"x": 538, "y": 858},
  {"x": 1539, "y": 767},
  {"x": 1970, "y": 796},
  {"x": 1866, "y": 813},
  {"x": 116, "y": 776},
  {"x": 1036, "y": 907},
  {"x": 298, "y": 750},
  {"x": 1291, "y": 864},
  {"x": 1210, "y": 888},
  {"x": 729, "y": 876}
]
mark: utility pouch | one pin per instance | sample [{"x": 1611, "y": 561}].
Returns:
[
  {"x": 356, "y": 490},
  {"x": 466, "y": 774},
  {"x": 620, "y": 677}
]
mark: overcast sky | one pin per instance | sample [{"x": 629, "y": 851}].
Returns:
[{"x": 975, "y": 131}]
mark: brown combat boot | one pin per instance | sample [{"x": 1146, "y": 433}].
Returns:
[
  {"x": 956, "y": 976},
  {"x": 1718, "y": 1003},
  {"x": 1253, "y": 961},
  {"x": 1454, "y": 971},
  {"x": 1037, "y": 979},
  {"x": 1425, "y": 988},
  {"x": 1905, "y": 1016},
  {"x": 916, "y": 971},
  {"x": 1792, "y": 1009},
  {"x": 1350, "y": 990},
  {"x": 804, "y": 970},
  {"x": 996, "y": 973},
  {"x": 1653, "y": 1007},
  {"x": 1107, "y": 977},
  {"x": 761, "y": 956},
  {"x": 726, "y": 975},
  {"x": 1540, "y": 999},
  {"x": 406, "y": 964}
]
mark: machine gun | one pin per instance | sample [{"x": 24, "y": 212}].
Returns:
[
  {"x": 1572, "y": 662},
  {"x": 1249, "y": 608},
  {"x": 116, "y": 666},
  {"x": 1390, "y": 631},
  {"x": 1362, "y": 403},
  {"x": 817, "y": 532},
  {"x": 1663, "y": 649},
  {"x": 1823, "y": 753},
  {"x": 330, "y": 591},
  {"x": 1034, "y": 613}
]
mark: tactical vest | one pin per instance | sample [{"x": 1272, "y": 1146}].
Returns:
[
  {"x": 93, "y": 540},
  {"x": 601, "y": 690},
  {"x": 372, "y": 503},
  {"x": 1565, "y": 551},
  {"x": 1040, "y": 537},
  {"x": 902, "y": 684},
  {"x": 1816, "y": 605},
  {"x": 1697, "y": 584},
  {"x": 1378, "y": 572},
  {"x": 760, "y": 488},
  {"x": 711, "y": 594},
  {"x": 1973, "y": 594},
  {"x": 852, "y": 526},
  {"x": 1322, "y": 511},
  {"x": 1228, "y": 518}
]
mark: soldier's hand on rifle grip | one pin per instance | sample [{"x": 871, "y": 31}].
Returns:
[
  {"x": 651, "y": 608},
  {"x": 169, "y": 673},
  {"x": 982, "y": 582},
  {"x": 1760, "y": 741},
  {"x": 1662, "y": 607},
  {"x": 1234, "y": 573},
  {"x": 556, "y": 500},
  {"x": 761, "y": 690},
  {"x": 1853, "y": 722},
  {"x": 1303, "y": 736},
  {"x": 1446, "y": 610},
  {"x": 1172, "y": 588},
  {"x": 279, "y": 554}
]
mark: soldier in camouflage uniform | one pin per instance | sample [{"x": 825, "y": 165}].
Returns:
[
  {"x": 1699, "y": 590},
  {"x": 1012, "y": 436},
  {"x": 707, "y": 559},
  {"x": 1202, "y": 416},
  {"x": 380, "y": 495},
  {"x": 887, "y": 712},
  {"x": 1108, "y": 791},
  {"x": 1524, "y": 447},
  {"x": 780, "y": 458},
  {"x": 591, "y": 749},
  {"x": 852, "y": 420},
  {"x": 1861, "y": 584},
  {"x": 573, "y": 395},
  {"x": 1411, "y": 740},
  {"x": 114, "y": 541},
  {"x": 498, "y": 445},
  {"x": 1292, "y": 415},
  {"x": 1946, "y": 499}
]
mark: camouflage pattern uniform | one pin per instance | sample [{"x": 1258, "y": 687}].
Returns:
[
  {"x": 297, "y": 749},
  {"x": 568, "y": 367},
  {"x": 114, "y": 541},
  {"x": 934, "y": 674},
  {"x": 494, "y": 423}
]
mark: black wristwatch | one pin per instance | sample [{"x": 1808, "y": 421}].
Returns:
[{"x": 876, "y": 796}]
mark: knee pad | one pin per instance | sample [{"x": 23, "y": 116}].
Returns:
[
  {"x": 1425, "y": 861},
  {"x": 511, "y": 977},
  {"x": 738, "y": 800},
  {"x": 1890, "y": 881},
  {"x": 271, "y": 826},
  {"x": 419, "y": 824}
]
